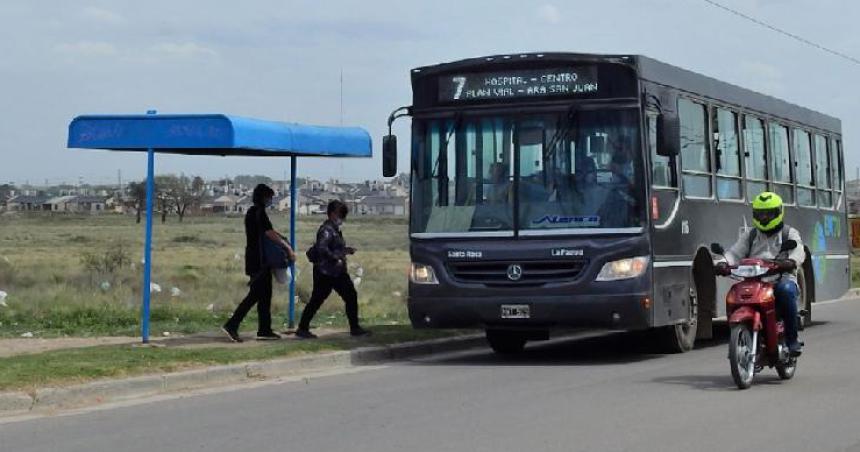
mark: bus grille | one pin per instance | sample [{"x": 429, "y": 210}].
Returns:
[{"x": 533, "y": 272}]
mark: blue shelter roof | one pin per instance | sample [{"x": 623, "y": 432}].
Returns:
[{"x": 216, "y": 134}]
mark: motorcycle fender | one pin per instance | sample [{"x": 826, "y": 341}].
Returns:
[{"x": 746, "y": 314}]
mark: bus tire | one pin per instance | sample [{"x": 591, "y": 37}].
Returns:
[
  {"x": 506, "y": 342},
  {"x": 804, "y": 300},
  {"x": 681, "y": 337}
]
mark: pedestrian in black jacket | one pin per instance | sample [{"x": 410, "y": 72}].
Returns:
[
  {"x": 330, "y": 273},
  {"x": 258, "y": 226}
]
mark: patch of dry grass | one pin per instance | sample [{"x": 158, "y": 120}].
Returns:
[{"x": 52, "y": 292}]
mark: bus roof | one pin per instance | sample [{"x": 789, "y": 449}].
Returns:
[
  {"x": 665, "y": 74},
  {"x": 654, "y": 71}
]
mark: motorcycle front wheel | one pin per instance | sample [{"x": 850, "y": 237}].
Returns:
[{"x": 742, "y": 355}]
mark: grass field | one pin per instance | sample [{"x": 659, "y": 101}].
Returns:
[{"x": 64, "y": 274}]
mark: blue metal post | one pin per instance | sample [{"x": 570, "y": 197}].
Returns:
[
  {"x": 292, "y": 319},
  {"x": 147, "y": 247}
]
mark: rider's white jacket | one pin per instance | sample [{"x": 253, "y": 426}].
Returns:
[{"x": 766, "y": 247}]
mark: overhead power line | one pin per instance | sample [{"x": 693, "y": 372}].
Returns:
[{"x": 785, "y": 33}]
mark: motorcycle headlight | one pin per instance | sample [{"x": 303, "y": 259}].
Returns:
[
  {"x": 749, "y": 271},
  {"x": 623, "y": 269},
  {"x": 422, "y": 274}
]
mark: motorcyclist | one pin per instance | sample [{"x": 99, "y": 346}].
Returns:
[{"x": 764, "y": 242}]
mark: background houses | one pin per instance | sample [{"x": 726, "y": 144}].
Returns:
[{"x": 223, "y": 196}]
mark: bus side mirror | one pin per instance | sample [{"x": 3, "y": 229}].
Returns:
[
  {"x": 389, "y": 156},
  {"x": 668, "y": 135}
]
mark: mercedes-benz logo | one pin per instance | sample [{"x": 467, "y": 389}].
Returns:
[{"x": 515, "y": 272}]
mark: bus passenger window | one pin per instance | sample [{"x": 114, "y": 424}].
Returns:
[
  {"x": 823, "y": 180},
  {"x": 695, "y": 158},
  {"x": 661, "y": 165},
  {"x": 836, "y": 161},
  {"x": 755, "y": 156},
  {"x": 727, "y": 154},
  {"x": 803, "y": 165},
  {"x": 781, "y": 161}
]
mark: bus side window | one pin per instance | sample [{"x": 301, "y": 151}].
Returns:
[
  {"x": 836, "y": 161},
  {"x": 662, "y": 167},
  {"x": 695, "y": 156},
  {"x": 755, "y": 156},
  {"x": 727, "y": 154},
  {"x": 823, "y": 172},
  {"x": 781, "y": 162},
  {"x": 803, "y": 168}
]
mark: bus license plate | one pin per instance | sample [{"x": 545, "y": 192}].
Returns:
[{"x": 515, "y": 311}]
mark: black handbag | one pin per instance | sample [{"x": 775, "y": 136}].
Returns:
[{"x": 272, "y": 254}]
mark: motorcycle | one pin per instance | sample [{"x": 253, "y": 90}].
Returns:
[{"x": 757, "y": 335}]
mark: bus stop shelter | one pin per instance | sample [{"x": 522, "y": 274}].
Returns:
[{"x": 218, "y": 135}]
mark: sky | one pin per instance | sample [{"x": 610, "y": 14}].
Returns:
[{"x": 282, "y": 60}]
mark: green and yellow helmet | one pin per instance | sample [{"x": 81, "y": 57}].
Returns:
[{"x": 767, "y": 211}]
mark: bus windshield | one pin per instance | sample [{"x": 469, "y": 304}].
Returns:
[{"x": 571, "y": 170}]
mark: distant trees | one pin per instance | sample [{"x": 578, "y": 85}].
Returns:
[
  {"x": 173, "y": 193},
  {"x": 137, "y": 191},
  {"x": 252, "y": 181}
]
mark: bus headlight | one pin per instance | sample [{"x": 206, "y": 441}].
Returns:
[
  {"x": 623, "y": 269},
  {"x": 422, "y": 274}
]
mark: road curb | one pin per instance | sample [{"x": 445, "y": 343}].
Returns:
[{"x": 46, "y": 400}]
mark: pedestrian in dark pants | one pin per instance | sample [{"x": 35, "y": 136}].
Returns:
[
  {"x": 330, "y": 273},
  {"x": 257, "y": 225}
]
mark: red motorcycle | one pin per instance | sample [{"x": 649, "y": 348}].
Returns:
[{"x": 757, "y": 336}]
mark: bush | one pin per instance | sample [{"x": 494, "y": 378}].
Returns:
[{"x": 106, "y": 262}]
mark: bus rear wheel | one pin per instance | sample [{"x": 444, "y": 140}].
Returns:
[
  {"x": 506, "y": 342},
  {"x": 804, "y": 300}
]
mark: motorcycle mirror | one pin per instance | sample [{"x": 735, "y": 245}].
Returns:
[
  {"x": 716, "y": 248},
  {"x": 788, "y": 245}
]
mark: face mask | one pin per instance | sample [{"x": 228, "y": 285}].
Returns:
[{"x": 338, "y": 221}]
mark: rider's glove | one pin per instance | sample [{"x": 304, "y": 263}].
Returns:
[
  {"x": 722, "y": 269},
  {"x": 786, "y": 265}
]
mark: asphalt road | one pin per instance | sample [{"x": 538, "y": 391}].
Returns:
[{"x": 595, "y": 394}]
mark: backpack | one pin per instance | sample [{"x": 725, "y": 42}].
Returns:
[
  {"x": 754, "y": 233},
  {"x": 312, "y": 254}
]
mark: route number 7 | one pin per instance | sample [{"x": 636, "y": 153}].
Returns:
[{"x": 460, "y": 82}]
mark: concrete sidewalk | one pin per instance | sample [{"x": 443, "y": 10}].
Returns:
[{"x": 24, "y": 346}]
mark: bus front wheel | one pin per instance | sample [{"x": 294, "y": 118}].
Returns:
[
  {"x": 681, "y": 337},
  {"x": 506, "y": 342}
]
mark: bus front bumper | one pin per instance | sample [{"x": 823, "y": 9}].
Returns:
[{"x": 624, "y": 312}]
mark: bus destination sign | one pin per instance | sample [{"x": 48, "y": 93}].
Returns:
[{"x": 518, "y": 84}]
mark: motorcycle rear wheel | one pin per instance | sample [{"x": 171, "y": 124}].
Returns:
[{"x": 741, "y": 355}]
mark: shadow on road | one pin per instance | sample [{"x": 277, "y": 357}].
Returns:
[
  {"x": 597, "y": 348},
  {"x": 723, "y": 382}
]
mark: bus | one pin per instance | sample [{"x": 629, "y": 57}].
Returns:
[{"x": 559, "y": 190}]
